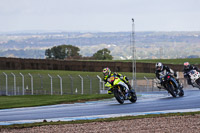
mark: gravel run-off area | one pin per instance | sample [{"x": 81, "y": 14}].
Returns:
[{"x": 172, "y": 124}]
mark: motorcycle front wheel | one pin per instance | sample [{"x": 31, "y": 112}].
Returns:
[
  {"x": 198, "y": 83},
  {"x": 171, "y": 90},
  {"x": 118, "y": 95}
]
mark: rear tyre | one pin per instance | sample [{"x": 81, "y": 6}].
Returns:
[
  {"x": 133, "y": 96},
  {"x": 181, "y": 93},
  {"x": 118, "y": 95}
]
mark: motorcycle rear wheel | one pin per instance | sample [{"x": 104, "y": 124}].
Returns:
[
  {"x": 181, "y": 93},
  {"x": 133, "y": 95}
]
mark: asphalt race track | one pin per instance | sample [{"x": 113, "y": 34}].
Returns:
[{"x": 148, "y": 102}]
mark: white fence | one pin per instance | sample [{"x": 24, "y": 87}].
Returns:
[{"x": 37, "y": 84}]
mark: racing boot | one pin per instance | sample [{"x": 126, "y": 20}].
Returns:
[
  {"x": 110, "y": 91},
  {"x": 179, "y": 84}
]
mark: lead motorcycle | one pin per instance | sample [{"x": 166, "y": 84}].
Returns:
[
  {"x": 195, "y": 78},
  {"x": 120, "y": 90},
  {"x": 170, "y": 84}
]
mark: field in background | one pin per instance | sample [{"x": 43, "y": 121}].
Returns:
[
  {"x": 195, "y": 61},
  {"x": 172, "y": 61}
]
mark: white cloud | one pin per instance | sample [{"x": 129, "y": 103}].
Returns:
[{"x": 104, "y": 15}]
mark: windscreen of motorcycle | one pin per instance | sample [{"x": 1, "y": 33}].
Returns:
[{"x": 163, "y": 73}]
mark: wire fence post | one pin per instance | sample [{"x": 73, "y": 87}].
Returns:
[
  {"x": 51, "y": 83},
  {"x": 14, "y": 84},
  {"x": 41, "y": 81},
  {"x": 31, "y": 83},
  {"x": 22, "y": 83},
  {"x": 71, "y": 83},
  {"x": 90, "y": 84},
  {"x": 61, "y": 89},
  {"x": 100, "y": 81},
  {"x": 6, "y": 83},
  {"x": 81, "y": 83},
  {"x": 152, "y": 84},
  {"x": 147, "y": 86}
]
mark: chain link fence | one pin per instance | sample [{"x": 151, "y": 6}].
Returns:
[{"x": 40, "y": 84}]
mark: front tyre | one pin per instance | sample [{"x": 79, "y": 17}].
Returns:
[
  {"x": 171, "y": 90},
  {"x": 118, "y": 95},
  {"x": 198, "y": 82}
]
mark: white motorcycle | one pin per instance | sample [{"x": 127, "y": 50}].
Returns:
[{"x": 195, "y": 78}]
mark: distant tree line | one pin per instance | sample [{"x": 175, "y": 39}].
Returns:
[{"x": 72, "y": 52}]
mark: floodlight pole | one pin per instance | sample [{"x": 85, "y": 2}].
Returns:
[{"x": 134, "y": 55}]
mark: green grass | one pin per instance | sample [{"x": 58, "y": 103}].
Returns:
[
  {"x": 194, "y": 61},
  {"x": 72, "y": 73},
  {"x": 41, "y": 100},
  {"x": 173, "y": 61},
  {"x": 52, "y": 72},
  {"x": 65, "y": 74},
  {"x": 19, "y": 126}
]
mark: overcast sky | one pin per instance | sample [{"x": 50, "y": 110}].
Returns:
[{"x": 99, "y": 15}]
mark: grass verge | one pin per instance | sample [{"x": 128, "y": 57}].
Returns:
[
  {"x": 41, "y": 100},
  {"x": 19, "y": 126}
]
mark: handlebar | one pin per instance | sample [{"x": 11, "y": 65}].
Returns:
[{"x": 164, "y": 75}]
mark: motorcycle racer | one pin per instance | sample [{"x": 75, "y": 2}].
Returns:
[
  {"x": 162, "y": 70},
  {"x": 188, "y": 68},
  {"x": 107, "y": 74}
]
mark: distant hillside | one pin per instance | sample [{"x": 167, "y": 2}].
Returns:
[{"x": 149, "y": 45}]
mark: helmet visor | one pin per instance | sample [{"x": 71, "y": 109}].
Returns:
[
  {"x": 158, "y": 68},
  {"x": 106, "y": 73},
  {"x": 186, "y": 65}
]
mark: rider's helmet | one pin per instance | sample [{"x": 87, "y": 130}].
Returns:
[
  {"x": 106, "y": 72},
  {"x": 159, "y": 66},
  {"x": 186, "y": 65}
]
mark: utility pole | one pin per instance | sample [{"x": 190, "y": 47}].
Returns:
[{"x": 133, "y": 55}]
